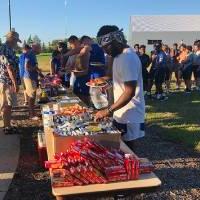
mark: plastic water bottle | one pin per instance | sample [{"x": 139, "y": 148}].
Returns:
[{"x": 98, "y": 98}]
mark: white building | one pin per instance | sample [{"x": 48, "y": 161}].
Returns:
[{"x": 168, "y": 29}]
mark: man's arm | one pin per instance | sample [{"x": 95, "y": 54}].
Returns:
[
  {"x": 123, "y": 100},
  {"x": 73, "y": 52},
  {"x": 126, "y": 97}
]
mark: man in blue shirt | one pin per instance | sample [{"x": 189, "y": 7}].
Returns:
[
  {"x": 158, "y": 71},
  {"x": 29, "y": 73},
  {"x": 96, "y": 58},
  {"x": 22, "y": 58}
]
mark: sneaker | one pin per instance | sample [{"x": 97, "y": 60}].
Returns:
[
  {"x": 161, "y": 97},
  {"x": 158, "y": 96},
  {"x": 25, "y": 104},
  {"x": 148, "y": 95},
  {"x": 187, "y": 91},
  {"x": 198, "y": 89}
]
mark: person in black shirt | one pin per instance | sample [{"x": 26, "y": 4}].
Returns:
[
  {"x": 136, "y": 48},
  {"x": 145, "y": 60}
]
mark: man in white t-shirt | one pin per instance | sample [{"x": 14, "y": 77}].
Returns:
[{"x": 129, "y": 106}]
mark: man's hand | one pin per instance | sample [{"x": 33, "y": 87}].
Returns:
[{"x": 102, "y": 114}]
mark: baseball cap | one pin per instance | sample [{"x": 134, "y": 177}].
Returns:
[{"x": 13, "y": 35}]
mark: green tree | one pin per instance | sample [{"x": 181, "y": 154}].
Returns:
[
  {"x": 36, "y": 39},
  {"x": 29, "y": 41},
  {"x": 49, "y": 48},
  {"x": 54, "y": 44},
  {"x": 0, "y": 42},
  {"x": 44, "y": 49}
]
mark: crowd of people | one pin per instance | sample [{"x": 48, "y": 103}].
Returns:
[
  {"x": 163, "y": 61},
  {"x": 132, "y": 71}
]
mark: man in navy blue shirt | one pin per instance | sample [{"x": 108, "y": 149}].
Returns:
[
  {"x": 96, "y": 57},
  {"x": 157, "y": 72}
]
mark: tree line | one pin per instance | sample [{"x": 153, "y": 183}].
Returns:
[{"x": 46, "y": 47}]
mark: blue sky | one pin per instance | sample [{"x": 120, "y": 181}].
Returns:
[{"x": 49, "y": 19}]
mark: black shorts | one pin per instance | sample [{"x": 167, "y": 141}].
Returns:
[
  {"x": 167, "y": 74},
  {"x": 157, "y": 74},
  {"x": 198, "y": 72},
  {"x": 145, "y": 75},
  {"x": 187, "y": 72},
  {"x": 194, "y": 70}
]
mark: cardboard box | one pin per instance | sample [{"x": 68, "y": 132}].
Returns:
[{"x": 57, "y": 144}]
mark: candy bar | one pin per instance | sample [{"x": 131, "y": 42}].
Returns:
[
  {"x": 133, "y": 169},
  {"x": 53, "y": 164},
  {"x": 127, "y": 163},
  {"x": 78, "y": 176},
  {"x": 61, "y": 182},
  {"x": 116, "y": 170},
  {"x": 56, "y": 173},
  {"x": 146, "y": 167},
  {"x": 137, "y": 166},
  {"x": 122, "y": 177}
]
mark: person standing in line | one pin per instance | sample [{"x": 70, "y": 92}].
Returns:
[
  {"x": 145, "y": 60},
  {"x": 182, "y": 57},
  {"x": 79, "y": 65},
  {"x": 26, "y": 49},
  {"x": 30, "y": 78},
  {"x": 196, "y": 62},
  {"x": 137, "y": 49},
  {"x": 63, "y": 49},
  {"x": 8, "y": 81},
  {"x": 129, "y": 106},
  {"x": 55, "y": 63},
  {"x": 187, "y": 69},
  {"x": 157, "y": 72},
  {"x": 174, "y": 53},
  {"x": 96, "y": 56},
  {"x": 166, "y": 50}
]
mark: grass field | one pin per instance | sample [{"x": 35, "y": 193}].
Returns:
[
  {"x": 177, "y": 119},
  {"x": 44, "y": 61}
]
